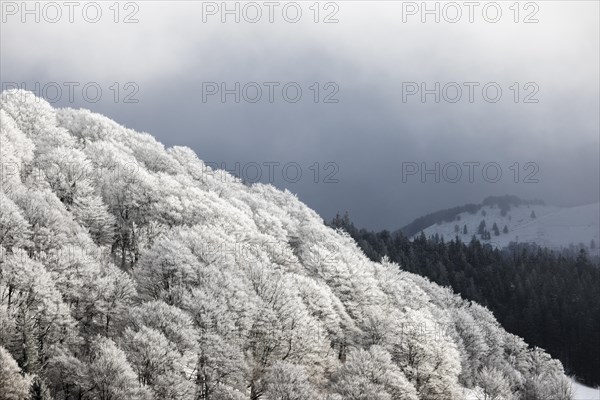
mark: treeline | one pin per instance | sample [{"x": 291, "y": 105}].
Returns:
[
  {"x": 551, "y": 300},
  {"x": 450, "y": 214}
]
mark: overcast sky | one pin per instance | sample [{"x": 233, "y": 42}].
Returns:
[{"x": 372, "y": 61}]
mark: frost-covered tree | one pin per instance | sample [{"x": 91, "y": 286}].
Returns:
[
  {"x": 110, "y": 377},
  {"x": 14, "y": 228},
  {"x": 92, "y": 213},
  {"x": 545, "y": 378},
  {"x": 13, "y": 385},
  {"x": 166, "y": 269},
  {"x": 493, "y": 386},
  {"x": 429, "y": 360},
  {"x": 286, "y": 381},
  {"x": 371, "y": 374},
  {"x": 158, "y": 365},
  {"x": 34, "y": 308}
]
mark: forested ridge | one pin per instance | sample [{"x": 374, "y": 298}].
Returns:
[
  {"x": 551, "y": 299},
  {"x": 131, "y": 271}
]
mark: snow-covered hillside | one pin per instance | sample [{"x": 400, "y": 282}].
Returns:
[
  {"x": 548, "y": 226},
  {"x": 129, "y": 271}
]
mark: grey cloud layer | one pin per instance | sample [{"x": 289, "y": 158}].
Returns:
[{"x": 370, "y": 132}]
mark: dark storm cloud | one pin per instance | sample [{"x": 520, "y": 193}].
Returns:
[{"x": 363, "y": 140}]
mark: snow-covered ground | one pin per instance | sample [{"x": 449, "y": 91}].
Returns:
[
  {"x": 581, "y": 392},
  {"x": 553, "y": 227}
]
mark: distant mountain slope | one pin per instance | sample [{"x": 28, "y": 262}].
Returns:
[
  {"x": 129, "y": 271},
  {"x": 450, "y": 214},
  {"x": 548, "y": 226},
  {"x": 441, "y": 216}
]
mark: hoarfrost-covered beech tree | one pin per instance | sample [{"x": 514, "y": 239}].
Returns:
[
  {"x": 13, "y": 385},
  {"x": 131, "y": 271}
]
